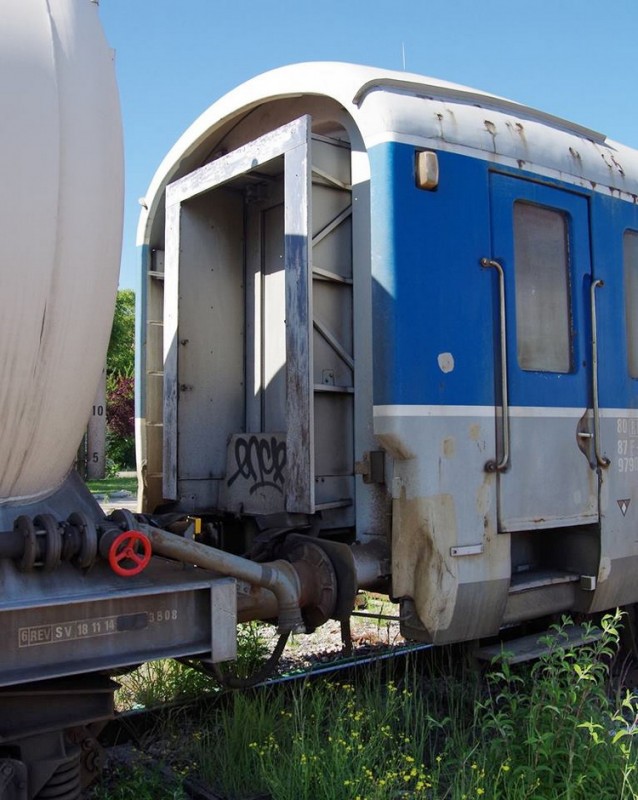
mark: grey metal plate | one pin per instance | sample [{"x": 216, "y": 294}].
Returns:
[{"x": 176, "y": 613}]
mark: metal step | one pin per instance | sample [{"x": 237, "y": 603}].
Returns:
[
  {"x": 537, "y": 579},
  {"x": 528, "y": 648},
  {"x": 537, "y": 593}
]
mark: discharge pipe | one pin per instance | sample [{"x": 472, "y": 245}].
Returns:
[{"x": 280, "y": 577}]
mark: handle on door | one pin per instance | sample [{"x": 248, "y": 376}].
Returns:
[
  {"x": 601, "y": 460},
  {"x": 501, "y": 465}
]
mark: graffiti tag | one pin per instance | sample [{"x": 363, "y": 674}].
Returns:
[{"x": 261, "y": 461}]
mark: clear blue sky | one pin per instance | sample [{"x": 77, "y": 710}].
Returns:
[{"x": 573, "y": 58}]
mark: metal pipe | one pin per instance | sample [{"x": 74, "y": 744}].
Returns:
[
  {"x": 11, "y": 544},
  {"x": 278, "y": 576},
  {"x": 259, "y": 603},
  {"x": 372, "y": 566}
]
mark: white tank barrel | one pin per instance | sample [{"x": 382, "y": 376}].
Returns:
[{"x": 61, "y": 197}]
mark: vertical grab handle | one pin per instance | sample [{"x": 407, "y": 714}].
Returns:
[
  {"x": 601, "y": 460},
  {"x": 501, "y": 466}
]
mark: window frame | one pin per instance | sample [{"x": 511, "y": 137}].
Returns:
[{"x": 541, "y": 361}]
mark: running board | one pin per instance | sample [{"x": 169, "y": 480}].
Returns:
[
  {"x": 528, "y": 648},
  {"x": 538, "y": 593}
]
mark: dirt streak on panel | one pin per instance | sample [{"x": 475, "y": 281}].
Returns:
[{"x": 424, "y": 529}]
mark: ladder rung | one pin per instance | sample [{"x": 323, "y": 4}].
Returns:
[
  {"x": 328, "y": 387},
  {"x": 335, "y": 504}
]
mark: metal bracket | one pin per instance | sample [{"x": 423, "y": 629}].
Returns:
[{"x": 371, "y": 467}]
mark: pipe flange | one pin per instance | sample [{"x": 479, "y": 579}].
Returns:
[
  {"x": 24, "y": 525},
  {"x": 87, "y": 532},
  {"x": 53, "y": 541},
  {"x": 317, "y": 578},
  {"x": 124, "y": 519}
]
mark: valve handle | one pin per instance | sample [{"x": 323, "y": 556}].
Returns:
[{"x": 126, "y": 547}]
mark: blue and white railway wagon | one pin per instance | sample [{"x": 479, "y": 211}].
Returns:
[{"x": 402, "y": 311}]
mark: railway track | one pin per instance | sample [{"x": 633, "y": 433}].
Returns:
[
  {"x": 132, "y": 726},
  {"x": 136, "y": 741}
]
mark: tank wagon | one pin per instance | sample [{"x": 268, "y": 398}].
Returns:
[
  {"x": 71, "y": 612},
  {"x": 401, "y": 314}
]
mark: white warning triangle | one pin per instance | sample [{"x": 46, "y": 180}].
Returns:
[{"x": 623, "y": 505}]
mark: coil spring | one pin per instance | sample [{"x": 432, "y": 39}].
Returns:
[{"x": 65, "y": 783}]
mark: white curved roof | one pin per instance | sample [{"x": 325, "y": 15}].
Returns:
[{"x": 389, "y": 106}]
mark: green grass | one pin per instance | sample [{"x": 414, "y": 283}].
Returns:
[
  {"x": 549, "y": 731},
  {"x": 167, "y": 680},
  {"x": 115, "y": 484},
  {"x": 552, "y": 730},
  {"x": 157, "y": 682}
]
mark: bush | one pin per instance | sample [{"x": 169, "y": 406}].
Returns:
[
  {"x": 553, "y": 728},
  {"x": 120, "y": 421}
]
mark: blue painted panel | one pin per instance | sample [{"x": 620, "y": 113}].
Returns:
[
  {"x": 610, "y": 219},
  {"x": 430, "y": 294}
]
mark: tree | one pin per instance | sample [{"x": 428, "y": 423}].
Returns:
[
  {"x": 120, "y": 389},
  {"x": 120, "y": 359}
]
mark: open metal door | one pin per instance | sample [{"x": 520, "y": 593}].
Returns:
[
  {"x": 548, "y": 426},
  {"x": 290, "y": 142},
  {"x": 258, "y": 364}
]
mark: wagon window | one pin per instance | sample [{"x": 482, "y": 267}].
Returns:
[
  {"x": 541, "y": 267},
  {"x": 631, "y": 299}
]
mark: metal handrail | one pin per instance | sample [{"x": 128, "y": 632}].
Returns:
[
  {"x": 501, "y": 466},
  {"x": 601, "y": 460}
]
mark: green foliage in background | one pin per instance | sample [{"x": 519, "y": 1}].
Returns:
[
  {"x": 120, "y": 358},
  {"x": 120, "y": 388}
]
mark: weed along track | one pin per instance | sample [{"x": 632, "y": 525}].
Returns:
[
  {"x": 169, "y": 708},
  {"x": 157, "y": 691},
  {"x": 420, "y": 723}
]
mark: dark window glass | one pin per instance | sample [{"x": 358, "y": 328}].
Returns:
[{"x": 541, "y": 266}]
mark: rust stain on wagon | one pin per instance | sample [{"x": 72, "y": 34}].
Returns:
[
  {"x": 449, "y": 447},
  {"x": 475, "y": 432},
  {"x": 423, "y": 531},
  {"x": 490, "y": 127}
]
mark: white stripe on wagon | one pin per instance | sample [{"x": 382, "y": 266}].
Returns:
[{"x": 490, "y": 411}]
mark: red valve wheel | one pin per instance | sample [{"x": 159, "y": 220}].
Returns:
[{"x": 129, "y": 546}]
